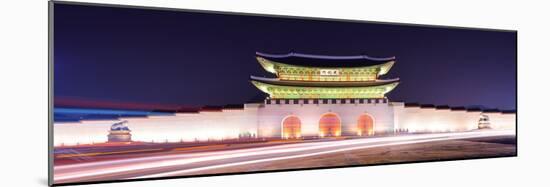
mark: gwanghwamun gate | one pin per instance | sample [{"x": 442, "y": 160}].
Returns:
[{"x": 312, "y": 96}]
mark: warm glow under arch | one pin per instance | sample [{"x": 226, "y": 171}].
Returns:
[
  {"x": 330, "y": 125},
  {"x": 365, "y": 125},
  {"x": 291, "y": 127}
]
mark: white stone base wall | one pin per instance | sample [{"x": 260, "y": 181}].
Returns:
[
  {"x": 265, "y": 120},
  {"x": 502, "y": 121},
  {"x": 418, "y": 119},
  {"x": 270, "y": 117},
  {"x": 188, "y": 127}
]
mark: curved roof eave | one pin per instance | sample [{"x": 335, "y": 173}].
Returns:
[
  {"x": 385, "y": 68},
  {"x": 269, "y": 65},
  {"x": 323, "y": 61}
]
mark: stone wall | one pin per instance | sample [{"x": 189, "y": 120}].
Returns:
[
  {"x": 432, "y": 119},
  {"x": 270, "y": 116},
  {"x": 265, "y": 120}
]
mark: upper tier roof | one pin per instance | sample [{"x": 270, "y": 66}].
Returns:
[{"x": 325, "y": 60}]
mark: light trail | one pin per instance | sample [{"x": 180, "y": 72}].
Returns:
[
  {"x": 194, "y": 162},
  {"x": 175, "y": 173}
]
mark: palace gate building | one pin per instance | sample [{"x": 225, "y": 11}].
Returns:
[{"x": 309, "y": 96}]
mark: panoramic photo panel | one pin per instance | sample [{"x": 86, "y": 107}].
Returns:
[{"x": 142, "y": 93}]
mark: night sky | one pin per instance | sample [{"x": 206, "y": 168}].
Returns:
[{"x": 174, "y": 57}]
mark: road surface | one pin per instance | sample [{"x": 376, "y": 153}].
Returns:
[{"x": 192, "y": 163}]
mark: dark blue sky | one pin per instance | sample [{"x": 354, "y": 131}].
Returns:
[{"x": 174, "y": 57}]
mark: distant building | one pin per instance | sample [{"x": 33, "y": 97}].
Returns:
[
  {"x": 119, "y": 133},
  {"x": 484, "y": 122},
  {"x": 312, "y": 96}
]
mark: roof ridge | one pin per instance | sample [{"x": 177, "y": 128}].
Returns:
[{"x": 331, "y": 57}]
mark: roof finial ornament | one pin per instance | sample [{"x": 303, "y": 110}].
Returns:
[{"x": 365, "y": 56}]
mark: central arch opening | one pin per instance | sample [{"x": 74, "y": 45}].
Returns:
[
  {"x": 292, "y": 127},
  {"x": 329, "y": 125},
  {"x": 365, "y": 125}
]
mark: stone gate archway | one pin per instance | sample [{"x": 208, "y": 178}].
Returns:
[
  {"x": 291, "y": 127},
  {"x": 365, "y": 125},
  {"x": 330, "y": 125}
]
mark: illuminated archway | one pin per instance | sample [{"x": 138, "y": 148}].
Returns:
[
  {"x": 330, "y": 125},
  {"x": 291, "y": 127},
  {"x": 365, "y": 125}
]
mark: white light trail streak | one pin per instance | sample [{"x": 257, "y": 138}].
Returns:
[{"x": 137, "y": 164}]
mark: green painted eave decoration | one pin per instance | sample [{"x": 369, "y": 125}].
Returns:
[{"x": 297, "y": 92}]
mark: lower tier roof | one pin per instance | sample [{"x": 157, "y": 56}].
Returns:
[
  {"x": 278, "y": 89},
  {"x": 276, "y": 81}
]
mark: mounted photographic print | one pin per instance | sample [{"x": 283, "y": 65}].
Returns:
[{"x": 139, "y": 93}]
